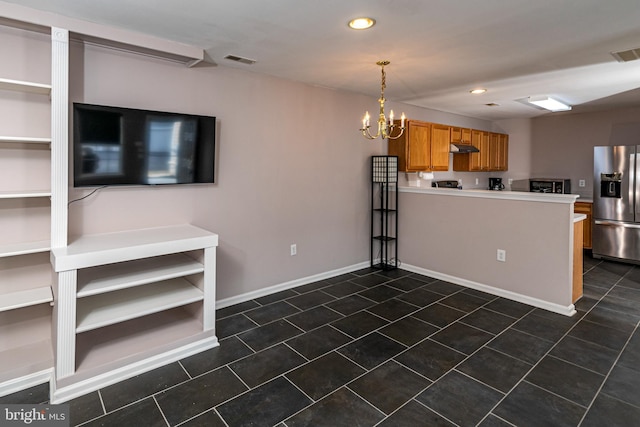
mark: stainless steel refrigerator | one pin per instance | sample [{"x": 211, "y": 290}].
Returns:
[{"x": 616, "y": 202}]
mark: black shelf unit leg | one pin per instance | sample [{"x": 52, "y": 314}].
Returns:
[{"x": 384, "y": 212}]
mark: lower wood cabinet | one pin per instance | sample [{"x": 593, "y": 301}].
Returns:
[
  {"x": 577, "y": 285},
  {"x": 585, "y": 208}
]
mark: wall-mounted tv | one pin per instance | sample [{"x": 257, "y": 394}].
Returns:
[{"x": 126, "y": 146}]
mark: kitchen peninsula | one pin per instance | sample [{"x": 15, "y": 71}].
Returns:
[{"x": 454, "y": 235}]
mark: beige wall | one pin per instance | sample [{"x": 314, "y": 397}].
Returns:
[
  {"x": 562, "y": 145},
  {"x": 520, "y": 148}
]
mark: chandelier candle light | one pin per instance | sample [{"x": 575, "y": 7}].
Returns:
[{"x": 385, "y": 129}]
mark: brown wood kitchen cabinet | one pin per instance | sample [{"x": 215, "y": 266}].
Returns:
[
  {"x": 493, "y": 151},
  {"x": 474, "y": 161},
  {"x": 460, "y": 136},
  {"x": 493, "y": 154},
  {"x": 440, "y": 147},
  {"x": 585, "y": 208},
  {"x": 577, "y": 285},
  {"x": 498, "y": 151},
  {"x": 502, "y": 152},
  {"x": 423, "y": 147}
]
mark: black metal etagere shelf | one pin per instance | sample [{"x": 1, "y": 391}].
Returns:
[{"x": 384, "y": 212}]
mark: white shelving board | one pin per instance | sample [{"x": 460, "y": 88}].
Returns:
[
  {"x": 25, "y": 139},
  {"x": 26, "y": 298},
  {"x": 24, "y": 194},
  {"x": 23, "y": 86},
  {"x": 108, "y": 278},
  {"x": 100, "y": 249},
  {"x": 24, "y": 248},
  {"x": 114, "y": 307},
  {"x": 136, "y": 339}
]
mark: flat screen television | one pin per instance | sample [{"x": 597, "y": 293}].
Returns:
[{"x": 126, "y": 146}]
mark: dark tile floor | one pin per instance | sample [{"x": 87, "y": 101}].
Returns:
[{"x": 396, "y": 349}]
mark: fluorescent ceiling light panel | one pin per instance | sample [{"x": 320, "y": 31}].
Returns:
[{"x": 549, "y": 103}]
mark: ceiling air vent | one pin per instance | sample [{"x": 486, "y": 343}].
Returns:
[
  {"x": 240, "y": 59},
  {"x": 627, "y": 55}
]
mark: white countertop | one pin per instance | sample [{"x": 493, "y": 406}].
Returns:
[
  {"x": 579, "y": 217},
  {"x": 489, "y": 194}
]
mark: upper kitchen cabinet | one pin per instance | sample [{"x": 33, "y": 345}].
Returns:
[
  {"x": 498, "y": 151},
  {"x": 460, "y": 136},
  {"x": 423, "y": 147},
  {"x": 440, "y": 147},
  {"x": 503, "y": 152},
  {"x": 493, "y": 154},
  {"x": 474, "y": 161}
]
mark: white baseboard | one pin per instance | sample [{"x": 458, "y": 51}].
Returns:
[
  {"x": 226, "y": 302},
  {"x": 556, "y": 308},
  {"x": 535, "y": 302},
  {"x": 63, "y": 394},
  {"x": 25, "y": 382}
]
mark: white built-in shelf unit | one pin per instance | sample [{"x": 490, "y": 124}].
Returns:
[{"x": 129, "y": 300}]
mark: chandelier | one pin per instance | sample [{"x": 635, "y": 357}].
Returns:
[{"x": 385, "y": 128}]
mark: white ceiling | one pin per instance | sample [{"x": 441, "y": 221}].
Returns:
[{"x": 439, "y": 49}]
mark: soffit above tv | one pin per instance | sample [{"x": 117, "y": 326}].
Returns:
[
  {"x": 190, "y": 60},
  {"x": 25, "y": 18}
]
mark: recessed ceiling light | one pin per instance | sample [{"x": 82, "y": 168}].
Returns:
[
  {"x": 477, "y": 91},
  {"x": 362, "y": 23}
]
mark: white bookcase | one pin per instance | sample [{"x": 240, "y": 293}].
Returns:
[
  {"x": 128, "y": 302},
  {"x": 26, "y": 356},
  {"x": 123, "y": 303}
]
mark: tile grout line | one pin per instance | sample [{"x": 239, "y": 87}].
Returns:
[
  {"x": 184, "y": 369},
  {"x": 104, "y": 408},
  {"x": 164, "y": 417}
]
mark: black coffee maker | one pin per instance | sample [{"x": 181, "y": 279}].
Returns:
[{"x": 496, "y": 184}]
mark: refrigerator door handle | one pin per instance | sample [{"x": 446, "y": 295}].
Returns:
[
  {"x": 635, "y": 184},
  {"x": 616, "y": 224},
  {"x": 633, "y": 171}
]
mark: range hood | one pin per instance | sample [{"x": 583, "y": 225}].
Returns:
[{"x": 463, "y": 148}]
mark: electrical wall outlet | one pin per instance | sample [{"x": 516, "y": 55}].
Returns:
[
  {"x": 294, "y": 249},
  {"x": 501, "y": 255},
  {"x": 510, "y": 181},
  {"x": 581, "y": 183},
  {"x": 477, "y": 182}
]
